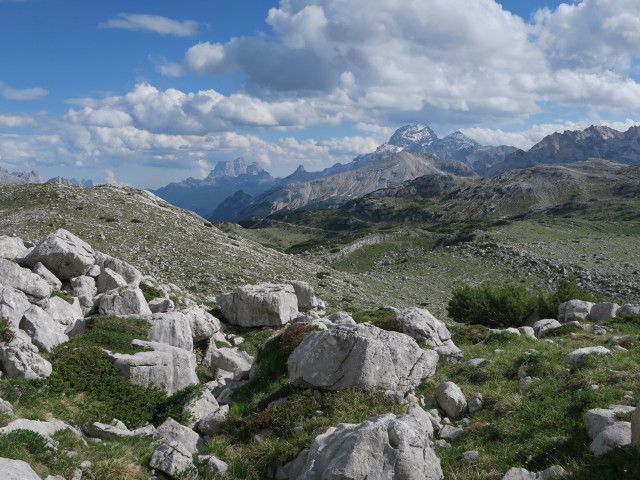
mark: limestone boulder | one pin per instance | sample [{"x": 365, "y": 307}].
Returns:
[
  {"x": 628, "y": 310},
  {"x": 451, "y": 399},
  {"x": 84, "y": 287},
  {"x": 64, "y": 313},
  {"x": 212, "y": 423},
  {"x": 601, "y": 312},
  {"x": 129, "y": 301},
  {"x": 423, "y": 327},
  {"x": 199, "y": 408},
  {"x": 260, "y": 305},
  {"x": 171, "y": 328},
  {"x": 174, "y": 460},
  {"x": 130, "y": 274},
  {"x": 109, "y": 280},
  {"x": 33, "y": 286},
  {"x": 161, "y": 305},
  {"x": 203, "y": 324},
  {"x": 545, "y": 326},
  {"x": 46, "y": 274},
  {"x": 17, "y": 470},
  {"x": 304, "y": 292},
  {"x": 45, "y": 332},
  {"x": 13, "y": 304},
  {"x": 597, "y": 419},
  {"x": 616, "y": 435},
  {"x": 340, "y": 318},
  {"x": 228, "y": 359},
  {"x": 12, "y": 247},
  {"x": 578, "y": 356},
  {"x": 168, "y": 367},
  {"x": 574, "y": 310},
  {"x": 360, "y": 355},
  {"x": 64, "y": 254},
  {"x": 172, "y": 431},
  {"x": 382, "y": 447},
  {"x": 20, "y": 358}
]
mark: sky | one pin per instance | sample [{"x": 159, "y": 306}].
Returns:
[{"x": 147, "y": 92}]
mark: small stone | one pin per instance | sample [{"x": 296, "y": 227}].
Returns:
[{"x": 470, "y": 456}]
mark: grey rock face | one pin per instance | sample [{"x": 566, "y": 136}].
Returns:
[
  {"x": 203, "y": 324},
  {"x": 450, "y": 433},
  {"x": 360, "y": 355},
  {"x": 171, "y": 328},
  {"x": 380, "y": 448},
  {"x": 304, "y": 292},
  {"x": 109, "y": 280},
  {"x": 260, "y": 305},
  {"x": 199, "y": 408},
  {"x": 44, "y": 273},
  {"x": 45, "y": 332},
  {"x": 32, "y": 285},
  {"x": 214, "y": 465},
  {"x": 475, "y": 403},
  {"x": 173, "y": 459},
  {"x": 13, "y": 304},
  {"x": 426, "y": 329},
  {"x": 44, "y": 428},
  {"x": 616, "y": 435},
  {"x": 341, "y": 318},
  {"x": 451, "y": 399},
  {"x": 129, "y": 273},
  {"x": 211, "y": 424},
  {"x": 64, "y": 254},
  {"x": 228, "y": 359},
  {"x": 172, "y": 431},
  {"x": 12, "y": 247},
  {"x": 597, "y": 419},
  {"x": 574, "y": 310},
  {"x": 161, "y": 305},
  {"x": 20, "y": 358},
  {"x": 545, "y": 326},
  {"x": 519, "y": 474},
  {"x": 84, "y": 288},
  {"x": 628, "y": 310},
  {"x": 169, "y": 367},
  {"x": 129, "y": 301},
  {"x": 63, "y": 312},
  {"x": 601, "y": 312},
  {"x": 17, "y": 470},
  {"x": 577, "y": 356}
]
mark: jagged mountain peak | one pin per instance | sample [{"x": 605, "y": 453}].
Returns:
[{"x": 414, "y": 138}]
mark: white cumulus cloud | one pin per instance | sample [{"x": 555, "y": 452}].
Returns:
[{"x": 34, "y": 93}]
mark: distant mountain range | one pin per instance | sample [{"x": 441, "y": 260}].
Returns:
[
  {"x": 20, "y": 178},
  {"x": 412, "y": 151}
]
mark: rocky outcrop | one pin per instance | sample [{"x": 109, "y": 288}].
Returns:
[
  {"x": 173, "y": 459},
  {"x": 45, "y": 332},
  {"x": 426, "y": 329},
  {"x": 129, "y": 301},
  {"x": 360, "y": 355},
  {"x": 170, "y": 368},
  {"x": 33, "y": 286},
  {"x": 20, "y": 359},
  {"x": 259, "y": 305},
  {"x": 12, "y": 247},
  {"x": 577, "y": 357},
  {"x": 382, "y": 447},
  {"x": 64, "y": 254}
]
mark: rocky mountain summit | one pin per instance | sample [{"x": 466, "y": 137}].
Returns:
[
  {"x": 21, "y": 178},
  {"x": 204, "y": 195}
]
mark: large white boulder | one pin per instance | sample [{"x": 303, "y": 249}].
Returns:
[
  {"x": 259, "y": 305},
  {"x": 20, "y": 358},
  {"x": 33, "y": 286},
  {"x": 601, "y": 312},
  {"x": 426, "y": 329},
  {"x": 128, "y": 301},
  {"x": 63, "y": 312},
  {"x": 198, "y": 408},
  {"x": 172, "y": 431},
  {"x": 44, "y": 273},
  {"x": 227, "y": 359},
  {"x": 451, "y": 399},
  {"x": 45, "y": 332},
  {"x": 380, "y": 448},
  {"x": 360, "y": 355},
  {"x": 173, "y": 459},
  {"x": 168, "y": 367},
  {"x": 171, "y": 328},
  {"x": 84, "y": 287},
  {"x": 17, "y": 470},
  {"x": 203, "y": 324},
  {"x": 13, "y": 304},
  {"x": 574, "y": 310},
  {"x": 578, "y": 356},
  {"x": 545, "y": 326},
  {"x": 304, "y": 292},
  {"x": 129, "y": 273},
  {"x": 12, "y": 247},
  {"x": 616, "y": 435},
  {"x": 64, "y": 254},
  {"x": 597, "y": 419},
  {"x": 109, "y": 280}
]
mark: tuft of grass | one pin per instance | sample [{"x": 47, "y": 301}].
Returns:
[
  {"x": 149, "y": 291},
  {"x": 375, "y": 317}
]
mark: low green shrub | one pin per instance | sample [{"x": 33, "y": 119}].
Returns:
[
  {"x": 374, "y": 317},
  {"x": 150, "y": 292},
  {"x": 493, "y": 306}
]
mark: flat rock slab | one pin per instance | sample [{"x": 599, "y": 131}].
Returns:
[
  {"x": 577, "y": 357},
  {"x": 360, "y": 355},
  {"x": 266, "y": 304}
]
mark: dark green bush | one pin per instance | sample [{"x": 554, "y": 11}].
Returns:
[
  {"x": 493, "y": 306},
  {"x": 568, "y": 289}
]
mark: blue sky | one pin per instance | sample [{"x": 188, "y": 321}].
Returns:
[{"x": 147, "y": 92}]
